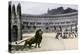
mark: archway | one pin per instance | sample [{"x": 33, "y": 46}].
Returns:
[{"x": 14, "y": 33}]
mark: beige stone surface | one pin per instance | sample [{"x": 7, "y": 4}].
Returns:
[{"x": 49, "y": 43}]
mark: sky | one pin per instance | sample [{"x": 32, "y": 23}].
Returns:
[{"x": 38, "y": 8}]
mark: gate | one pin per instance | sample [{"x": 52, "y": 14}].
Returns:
[{"x": 14, "y": 33}]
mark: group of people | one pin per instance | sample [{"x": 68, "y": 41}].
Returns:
[{"x": 66, "y": 34}]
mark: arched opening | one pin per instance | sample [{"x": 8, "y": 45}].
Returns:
[{"x": 14, "y": 33}]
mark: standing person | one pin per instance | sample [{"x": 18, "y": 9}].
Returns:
[{"x": 59, "y": 33}]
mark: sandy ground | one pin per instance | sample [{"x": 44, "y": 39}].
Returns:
[{"x": 49, "y": 43}]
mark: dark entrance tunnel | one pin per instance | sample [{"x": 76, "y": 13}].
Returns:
[{"x": 14, "y": 33}]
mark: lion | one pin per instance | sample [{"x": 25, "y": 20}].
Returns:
[{"x": 36, "y": 39}]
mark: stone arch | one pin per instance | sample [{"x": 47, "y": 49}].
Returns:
[{"x": 14, "y": 32}]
